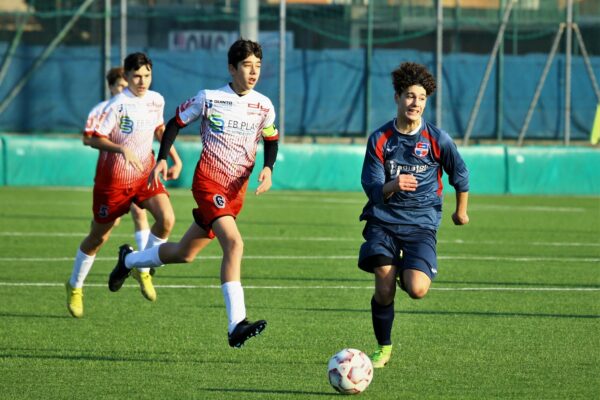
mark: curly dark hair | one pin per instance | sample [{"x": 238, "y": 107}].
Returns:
[{"x": 409, "y": 74}]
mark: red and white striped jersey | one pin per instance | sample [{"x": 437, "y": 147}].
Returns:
[
  {"x": 130, "y": 121},
  {"x": 231, "y": 127},
  {"x": 94, "y": 118}
]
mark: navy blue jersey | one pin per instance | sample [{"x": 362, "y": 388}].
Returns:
[{"x": 425, "y": 155}]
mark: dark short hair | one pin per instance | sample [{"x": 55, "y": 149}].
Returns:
[
  {"x": 114, "y": 74},
  {"x": 242, "y": 49},
  {"x": 135, "y": 61},
  {"x": 409, "y": 74}
]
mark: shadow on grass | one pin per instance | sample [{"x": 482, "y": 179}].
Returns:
[
  {"x": 25, "y": 315},
  {"x": 21, "y": 217},
  {"x": 519, "y": 284},
  {"x": 266, "y": 391},
  {"x": 149, "y": 358},
  {"x": 446, "y": 313}
]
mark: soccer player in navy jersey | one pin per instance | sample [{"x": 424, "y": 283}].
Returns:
[{"x": 402, "y": 178}]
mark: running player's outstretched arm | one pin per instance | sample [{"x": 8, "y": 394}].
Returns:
[
  {"x": 270, "y": 148},
  {"x": 270, "y": 137},
  {"x": 166, "y": 145},
  {"x": 175, "y": 170},
  {"x": 458, "y": 176},
  {"x": 460, "y": 216}
]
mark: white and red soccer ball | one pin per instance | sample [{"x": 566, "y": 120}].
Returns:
[{"x": 350, "y": 371}]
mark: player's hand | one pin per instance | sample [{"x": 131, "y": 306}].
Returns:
[
  {"x": 174, "y": 171},
  {"x": 132, "y": 159},
  {"x": 159, "y": 170},
  {"x": 265, "y": 181},
  {"x": 460, "y": 219},
  {"x": 407, "y": 182}
]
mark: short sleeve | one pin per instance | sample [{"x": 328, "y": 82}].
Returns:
[{"x": 191, "y": 109}]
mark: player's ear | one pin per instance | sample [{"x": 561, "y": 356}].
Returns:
[{"x": 396, "y": 97}]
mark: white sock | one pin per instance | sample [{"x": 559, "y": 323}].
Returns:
[
  {"x": 143, "y": 260},
  {"x": 233, "y": 293},
  {"x": 81, "y": 267},
  {"x": 152, "y": 241},
  {"x": 141, "y": 238}
]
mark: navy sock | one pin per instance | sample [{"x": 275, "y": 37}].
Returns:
[{"x": 383, "y": 319}]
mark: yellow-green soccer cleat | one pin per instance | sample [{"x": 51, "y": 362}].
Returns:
[
  {"x": 74, "y": 300},
  {"x": 145, "y": 281},
  {"x": 381, "y": 356}
]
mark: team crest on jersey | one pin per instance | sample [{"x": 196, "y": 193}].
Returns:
[
  {"x": 421, "y": 149},
  {"x": 219, "y": 200},
  {"x": 126, "y": 124}
]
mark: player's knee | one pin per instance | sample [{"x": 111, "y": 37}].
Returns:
[
  {"x": 234, "y": 245},
  {"x": 417, "y": 291},
  {"x": 165, "y": 224},
  {"x": 168, "y": 222}
]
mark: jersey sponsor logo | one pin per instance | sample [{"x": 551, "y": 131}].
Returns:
[
  {"x": 219, "y": 201},
  {"x": 236, "y": 127},
  {"x": 391, "y": 169},
  {"x": 126, "y": 124},
  {"x": 421, "y": 149},
  {"x": 223, "y": 102},
  {"x": 256, "y": 109},
  {"x": 216, "y": 123}
]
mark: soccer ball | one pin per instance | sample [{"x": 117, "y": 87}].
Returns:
[{"x": 350, "y": 371}]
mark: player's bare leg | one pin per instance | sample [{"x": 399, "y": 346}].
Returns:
[
  {"x": 99, "y": 234},
  {"x": 89, "y": 247},
  {"x": 162, "y": 211},
  {"x": 193, "y": 241},
  {"x": 232, "y": 244},
  {"x": 416, "y": 283},
  {"x": 230, "y": 239},
  {"x": 141, "y": 226}
]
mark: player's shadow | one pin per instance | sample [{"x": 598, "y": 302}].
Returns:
[
  {"x": 20, "y": 217},
  {"x": 140, "y": 356},
  {"x": 26, "y": 315},
  {"x": 266, "y": 391},
  {"x": 446, "y": 313},
  {"x": 519, "y": 284}
]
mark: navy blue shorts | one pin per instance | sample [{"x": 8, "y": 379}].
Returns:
[{"x": 383, "y": 246}]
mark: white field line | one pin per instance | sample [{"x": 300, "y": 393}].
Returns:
[
  {"x": 325, "y": 257},
  {"x": 317, "y": 198},
  {"x": 320, "y": 287},
  {"x": 312, "y": 239}
]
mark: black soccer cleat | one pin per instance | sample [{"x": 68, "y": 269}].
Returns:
[
  {"x": 120, "y": 272},
  {"x": 244, "y": 331}
]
